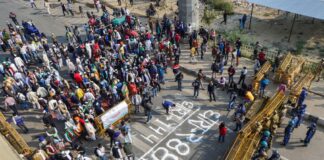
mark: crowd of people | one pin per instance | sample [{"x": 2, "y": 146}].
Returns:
[
  {"x": 76, "y": 81},
  {"x": 117, "y": 58}
]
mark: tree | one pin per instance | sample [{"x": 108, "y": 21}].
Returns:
[{"x": 212, "y": 6}]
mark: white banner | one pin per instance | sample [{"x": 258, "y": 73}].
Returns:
[{"x": 114, "y": 114}]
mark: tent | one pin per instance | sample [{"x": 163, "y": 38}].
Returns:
[{"x": 309, "y": 8}]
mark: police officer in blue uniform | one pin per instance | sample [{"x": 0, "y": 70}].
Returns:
[{"x": 310, "y": 133}]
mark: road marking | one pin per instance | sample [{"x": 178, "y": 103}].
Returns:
[{"x": 142, "y": 157}]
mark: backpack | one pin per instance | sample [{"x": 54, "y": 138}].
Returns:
[
  {"x": 95, "y": 152},
  {"x": 214, "y": 67},
  {"x": 195, "y": 84},
  {"x": 179, "y": 76}
]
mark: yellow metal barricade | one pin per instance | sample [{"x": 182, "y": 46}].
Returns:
[
  {"x": 259, "y": 76},
  {"x": 296, "y": 89},
  {"x": 294, "y": 69},
  {"x": 282, "y": 68},
  {"x": 14, "y": 138},
  {"x": 248, "y": 139}
]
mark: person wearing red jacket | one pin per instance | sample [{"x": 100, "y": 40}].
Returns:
[
  {"x": 262, "y": 57},
  {"x": 222, "y": 132},
  {"x": 231, "y": 72},
  {"x": 78, "y": 78},
  {"x": 177, "y": 39},
  {"x": 96, "y": 50}
]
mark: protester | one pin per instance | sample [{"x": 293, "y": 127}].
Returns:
[
  {"x": 100, "y": 152},
  {"x": 19, "y": 121},
  {"x": 113, "y": 61},
  {"x": 239, "y": 122},
  {"x": 179, "y": 78},
  {"x": 231, "y": 73},
  {"x": 167, "y": 105},
  {"x": 222, "y": 132},
  {"x": 232, "y": 101},
  {"x": 211, "y": 91},
  {"x": 214, "y": 67},
  {"x": 263, "y": 84},
  {"x": 64, "y": 10},
  {"x": 262, "y": 57},
  {"x": 243, "y": 75},
  {"x": 32, "y": 3},
  {"x": 196, "y": 84},
  {"x": 10, "y": 102}
]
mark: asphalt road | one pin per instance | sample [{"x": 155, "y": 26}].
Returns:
[{"x": 190, "y": 132}]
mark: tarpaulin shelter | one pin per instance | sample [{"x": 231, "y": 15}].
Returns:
[{"x": 309, "y": 8}]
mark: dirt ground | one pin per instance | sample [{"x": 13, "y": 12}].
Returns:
[{"x": 271, "y": 28}]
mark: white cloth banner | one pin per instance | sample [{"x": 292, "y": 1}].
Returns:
[{"x": 114, "y": 114}]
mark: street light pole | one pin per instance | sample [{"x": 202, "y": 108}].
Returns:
[{"x": 292, "y": 26}]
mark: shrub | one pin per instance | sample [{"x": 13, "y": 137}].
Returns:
[
  {"x": 208, "y": 17},
  {"x": 321, "y": 53},
  {"x": 300, "y": 47},
  {"x": 234, "y": 34},
  {"x": 221, "y": 5}
]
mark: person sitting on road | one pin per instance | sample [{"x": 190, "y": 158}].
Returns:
[
  {"x": 222, "y": 82},
  {"x": 167, "y": 105}
]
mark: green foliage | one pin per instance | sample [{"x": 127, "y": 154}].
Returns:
[
  {"x": 321, "y": 53},
  {"x": 233, "y": 35},
  {"x": 221, "y": 5},
  {"x": 209, "y": 16},
  {"x": 300, "y": 45},
  {"x": 310, "y": 67}
]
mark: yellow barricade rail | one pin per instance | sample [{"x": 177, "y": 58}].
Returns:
[
  {"x": 14, "y": 137},
  {"x": 283, "y": 67},
  {"x": 255, "y": 108},
  {"x": 248, "y": 139},
  {"x": 258, "y": 77},
  {"x": 296, "y": 89},
  {"x": 294, "y": 69}
]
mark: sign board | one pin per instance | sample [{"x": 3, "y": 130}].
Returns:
[{"x": 114, "y": 114}]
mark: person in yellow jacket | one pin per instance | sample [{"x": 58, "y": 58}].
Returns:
[
  {"x": 79, "y": 93},
  {"x": 192, "y": 54},
  {"x": 249, "y": 96}
]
